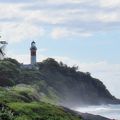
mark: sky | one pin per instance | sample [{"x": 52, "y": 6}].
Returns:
[{"x": 78, "y": 32}]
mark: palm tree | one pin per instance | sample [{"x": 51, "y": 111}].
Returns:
[{"x": 2, "y": 49}]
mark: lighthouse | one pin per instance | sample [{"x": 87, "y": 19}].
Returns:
[{"x": 33, "y": 50}]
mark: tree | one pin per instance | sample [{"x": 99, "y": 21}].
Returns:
[
  {"x": 2, "y": 49},
  {"x": 88, "y": 73}
]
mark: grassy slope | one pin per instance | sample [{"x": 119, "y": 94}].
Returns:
[
  {"x": 17, "y": 106},
  {"x": 41, "y": 111}
]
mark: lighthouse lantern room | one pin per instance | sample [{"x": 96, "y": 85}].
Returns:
[{"x": 33, "y": 50}]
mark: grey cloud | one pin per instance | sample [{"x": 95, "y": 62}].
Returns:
[
  {"x": 16, "y": 1},
  {"x": 87, "y": 15},
  {"x": 13, "y": 20},
  {"x": 75, "y": 15},
  {"x": 48, "y": 6}
]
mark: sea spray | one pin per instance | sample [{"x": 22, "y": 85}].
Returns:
[{"x": 110, "y": 111}]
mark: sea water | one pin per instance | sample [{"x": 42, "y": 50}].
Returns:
[{"x": 110, "y": 111}]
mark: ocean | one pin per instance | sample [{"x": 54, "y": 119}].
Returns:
[{"x": 110, "y": 111}]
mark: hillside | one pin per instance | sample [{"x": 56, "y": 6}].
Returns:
[
  {"x": 75, "y": 87},
  {"x": 56, "y": 83}
]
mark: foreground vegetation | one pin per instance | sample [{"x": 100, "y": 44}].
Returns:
[
  {"x": 35, "y": 111},
  {"x": 20, "y": 104}
]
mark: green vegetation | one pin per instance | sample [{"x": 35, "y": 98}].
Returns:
[
  {"x": 41, "y": 111},
  {"x": 35, "y": 111},
  {"x": 19, "y": 103},
  {"x": 19, "y": 93},
  {"x": 8, "y": 72},
  {"x": 6, "y": 114}
]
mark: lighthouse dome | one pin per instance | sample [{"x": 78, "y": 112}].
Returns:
[{"x": 33, "y": 46}]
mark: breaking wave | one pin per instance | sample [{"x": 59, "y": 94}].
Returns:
[{"x": 110, "y": 111}]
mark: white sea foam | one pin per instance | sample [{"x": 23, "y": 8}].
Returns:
[{"x": 110, "y": 111}]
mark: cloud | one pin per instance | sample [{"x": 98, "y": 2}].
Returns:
[
  {"x": 108, "y": 17},
  {"x": 88, "y": 15},
  {"x": 59, "y": 33},
  {"x": 16, "y": 1},
  {"x": 15, "y": 32},
  {"x": 10, "y": 11},
  {"x": 42, "y": 50},
  {"x": 14, "y": 27},
  {"x": 109, "y": 3},
  {"x": 64, "y": 2},
  {"x": 63, "y": 18}
]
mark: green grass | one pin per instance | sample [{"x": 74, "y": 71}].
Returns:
[
  {"x": 7, "y": 96},
  {"x": 19, "y": 107},
  {"x": 20, "y": 93},
  {"x": 22, "y": 87},
  {"x": 41, "y": 111}
]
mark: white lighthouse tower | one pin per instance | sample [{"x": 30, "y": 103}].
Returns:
[{"x": 33, "y": 50}]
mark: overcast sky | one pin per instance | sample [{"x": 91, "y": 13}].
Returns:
[{"x": 77, "y": 32}]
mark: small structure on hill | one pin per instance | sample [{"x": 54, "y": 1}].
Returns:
[
  {"x": 33, "y": 61},
  {"x": 33, "y": 50}
]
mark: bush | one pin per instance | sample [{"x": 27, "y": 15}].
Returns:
[{"x": 6, "y": 114}]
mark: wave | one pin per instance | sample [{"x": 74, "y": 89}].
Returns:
[{"x": 110, "y": 111}]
